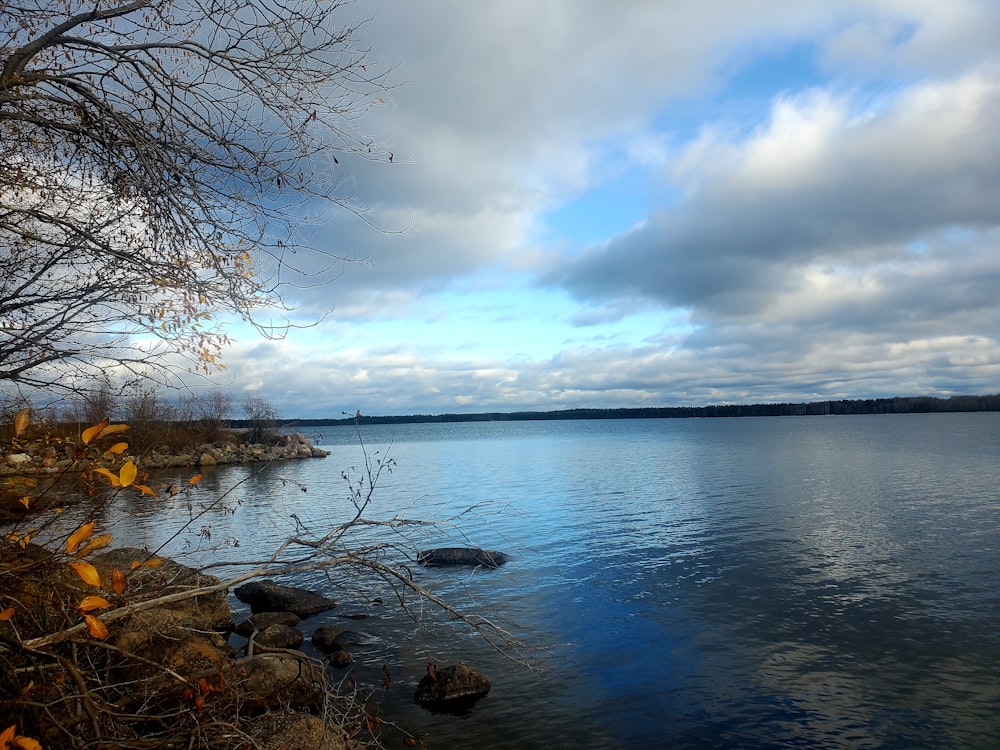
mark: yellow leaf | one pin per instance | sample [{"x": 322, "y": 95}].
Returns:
[
  {"x": 195, "y": 479},
  {"x": 25, "y": 501},
  {"x": 116, "y": 449},
  {"x": 6, "y": 614},
  {"x": 111, "y": 429},
  {"x": 25, "y": 743},
  {"x": 145, "y": 490},
  {"x": 91, "y": 432},
  {"x": 7, "y": 736},
  {"x": 87, "y": 572},
  {"x": 90, "y": 603},
  {"x": 117, "y": 581},
  {"x": 21, "y": 421},
  {"x": 78, "y": 536},
  {"x": 113, "y": 478},
  {"x": 128, "y": 473},
  {"x": 98, "y": 542},
  {"x": 95, "y": 627}
]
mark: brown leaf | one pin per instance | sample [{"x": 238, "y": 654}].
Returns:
[
  {"x": 117, "y": 581},
  {"x": 21, "y": 421},
  {"x": 7, "y": 614},
  {"x": 78, "y": 536}
]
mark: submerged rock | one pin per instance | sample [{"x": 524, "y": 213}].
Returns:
[
  {"x": 451, "y": 686},
  {"x": 462, "y": 556},
  {"x": 268, "y": 596}
]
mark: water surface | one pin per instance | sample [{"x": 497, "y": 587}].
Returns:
[{"x": 815, "y": 582}]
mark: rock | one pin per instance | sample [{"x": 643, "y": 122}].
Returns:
[
  {"x": 279, "y": 680},
  {"x": 262, "y": 620},
  {"x": 279, "y": 636},
  {"x": 340, "y": 658},
  {"x": 207, "y": 459},
  {"x": 17, "y": 459},
  {"x": 462, "y": 556},
  {"x": 327, "y": 638},
  {"x": 457, "y": 684},
  {"x": 292, "y": 730},
  {"x": 147, "y": 631},
  {"x": 268, "y": 596}
]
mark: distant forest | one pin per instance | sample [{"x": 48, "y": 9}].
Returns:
[{"x": 897, "y": 405}]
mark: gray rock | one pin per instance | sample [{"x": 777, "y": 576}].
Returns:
[
  {"x": 462, "y": 556},
  {"x": 268, "y": 596}
]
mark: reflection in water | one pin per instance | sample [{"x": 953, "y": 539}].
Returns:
[{"x": 792, "y": 582}]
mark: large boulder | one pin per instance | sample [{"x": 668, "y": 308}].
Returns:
[
  {"x": 452, "y": 686},
  {"x": 462, "y": 556},
  {"x": 268, "y": 596},
  {"x": 276, "y": 680}
]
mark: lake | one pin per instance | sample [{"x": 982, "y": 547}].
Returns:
[{"x": 813, "y": 582}]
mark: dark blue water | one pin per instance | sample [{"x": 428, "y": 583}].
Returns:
[{"x": 814, "y": 582}]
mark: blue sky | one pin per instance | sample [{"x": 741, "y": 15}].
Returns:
[{"x": 660, "y": 203}]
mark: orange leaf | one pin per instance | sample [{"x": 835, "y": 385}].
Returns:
[
  {"x": 6, "y": 614},
  {"x": 116, "y": 449},
  {"x": 87, "y": 572},
  {"x": 146, "y": 490},
  {"x": 98, "y": 542},
  {"x": 91, "y": 432},
  {"x": 21, "y": 421},
  {"x": 25, "y": 743},
  {"x": 113, "y": 478},
  {"x": 195, "y": 479},
  {"x": 95, "y": 627},
  {"x": 7, "y": 736},
  {"x": 25, "y": 501},
  {"x": 78, "y": 536},
  {"x": 128, "y": 473},
  {"x": 117, "y": 581},
  {"x": 90, "y": 603},
  {"x": 153, "y": 562},
  {"x": 111, "y": 429}
]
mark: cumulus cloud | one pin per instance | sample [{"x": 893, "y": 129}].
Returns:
[{"x": 826, "y": 240}]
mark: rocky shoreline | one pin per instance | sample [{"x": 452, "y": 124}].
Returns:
[{"x": 40, "y": 458}]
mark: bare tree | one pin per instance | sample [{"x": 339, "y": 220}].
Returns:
[
  {"x": 158, "y": 161},
  {"x": 261, "y": 417},
  {"x": 213, "y": 410}
]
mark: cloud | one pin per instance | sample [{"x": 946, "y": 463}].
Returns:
[{"x": 820, "y": 184}]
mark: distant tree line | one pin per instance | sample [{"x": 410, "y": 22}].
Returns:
[{"x": 895, "y": 405}]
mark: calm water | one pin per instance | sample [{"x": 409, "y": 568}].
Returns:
[{"x": 815, "y": 582}]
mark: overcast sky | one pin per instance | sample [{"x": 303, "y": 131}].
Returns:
[{"x": 662, "y": 203}]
